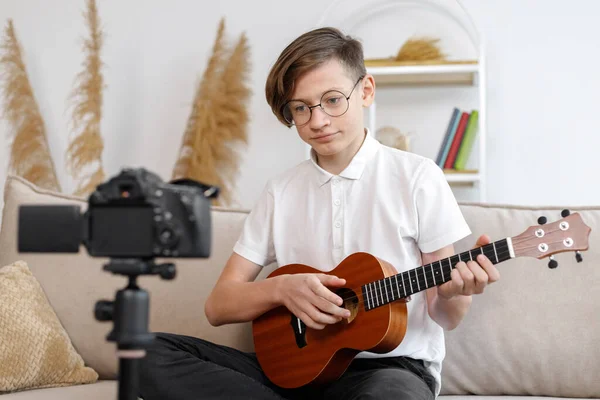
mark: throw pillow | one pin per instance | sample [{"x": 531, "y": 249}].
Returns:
[{"x": 35, "y": 349}]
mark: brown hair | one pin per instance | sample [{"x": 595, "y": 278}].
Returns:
[{"x": 307, "y": 52}]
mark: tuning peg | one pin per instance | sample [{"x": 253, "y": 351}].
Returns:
[
  {"x": 552, "y": 263},
  {"x": 542, "y": 220},
  {"x": 578, "y": 256},
  {"x": 565, "y": 213}
]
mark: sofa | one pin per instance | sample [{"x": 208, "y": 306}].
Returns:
[{"x": 535, "y": 333}]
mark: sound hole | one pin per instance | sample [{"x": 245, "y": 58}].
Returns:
[{"x": 350, "y": 302}]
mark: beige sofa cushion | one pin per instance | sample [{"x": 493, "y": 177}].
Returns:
[
  {"x": 35, "y": 350},
  {"x": 537, "y": 330},
  {"x": 74, "y": 282}
]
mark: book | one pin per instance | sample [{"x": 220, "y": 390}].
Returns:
[
  {"x": 439, "y": 160},
  {"x": 467, "y": 142},
  {"x": 460, "y": 130},
  {"x": 448, "y": 143}
]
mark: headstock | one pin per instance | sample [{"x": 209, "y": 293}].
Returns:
[{"x": 544, "y": 240}]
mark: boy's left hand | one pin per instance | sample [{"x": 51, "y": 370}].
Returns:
[{"x": 471, "y": 277}]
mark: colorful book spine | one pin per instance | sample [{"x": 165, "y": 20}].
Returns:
[
  {"x": 467, "y": 143},
  {"x": 460, "y": 131},
  {"x": 440, "y": 156},
  {"x": 450, "y": 138}
]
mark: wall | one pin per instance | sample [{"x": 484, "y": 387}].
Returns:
[{"x": 542, "y": 79}]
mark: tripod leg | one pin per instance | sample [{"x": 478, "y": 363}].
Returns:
[{"x": 129, "y": 381}]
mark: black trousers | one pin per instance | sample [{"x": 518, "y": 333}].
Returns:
[{"x": 180, "y": 367}]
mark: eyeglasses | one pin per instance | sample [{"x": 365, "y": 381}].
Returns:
[{"x": 333, "y": 103}]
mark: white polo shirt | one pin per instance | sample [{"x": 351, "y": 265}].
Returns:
[{"x": 390, "y": 203}]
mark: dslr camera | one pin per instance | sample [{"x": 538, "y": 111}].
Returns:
[{"x": 133, "y": 215}]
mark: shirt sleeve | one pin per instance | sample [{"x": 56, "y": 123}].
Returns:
[
  {"x": 440, "y": 220},
  {"x": 256, "y": 240}
]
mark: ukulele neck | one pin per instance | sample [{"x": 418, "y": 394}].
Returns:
[{"x": 404, "y": 284}]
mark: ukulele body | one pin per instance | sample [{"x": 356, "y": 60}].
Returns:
[{"x": 293, "y": 355}]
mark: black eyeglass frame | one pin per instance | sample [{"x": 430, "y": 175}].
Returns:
[{"x": 310, "y": 108}]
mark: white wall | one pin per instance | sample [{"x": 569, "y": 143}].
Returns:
[{"x": 543, "y": 98}]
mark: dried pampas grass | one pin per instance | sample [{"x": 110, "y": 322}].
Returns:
[
  {"x": 217, "y": 124},
  {"x": 420, "y": 49},
  {"x": 84, "y": 154},
  {"x": 232, "y": 119},
  {"x": 195, "y": 154},
  {"x": 30, "y": 155}
]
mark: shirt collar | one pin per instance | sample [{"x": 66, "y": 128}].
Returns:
[{"x": 355, "y": 169}]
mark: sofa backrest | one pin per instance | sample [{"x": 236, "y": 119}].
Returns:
[{"x": 535, "y": 332}]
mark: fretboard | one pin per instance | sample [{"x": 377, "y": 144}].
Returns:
[{"x": 404, "y": 284}]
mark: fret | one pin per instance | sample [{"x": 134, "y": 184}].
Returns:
[
  {"x": 390, "y": 287},
  {"x": 488, "y": 251},
  {"x": 403, "y": 286},
  {"x": 432, "y": 274},
  {"x": 428, "y": 280},
  {"x": 506, "y": 250},
  {"x": 404, "y": 283},
  {"x": 418, "y": 279},
  {"x": 385, "y": 286},
  {"x": 442, "y": 268},
  {"x": 374, "y": 291},
  {"x": 495, "y": 252},
  {"x": 456, "y": 261},
  {"x": 397, "y": 288},
  {"x": 470, "y": 255},
  {"x": 410, "y": 281},
  {"x": 380, "y": 292},
  {"x": 369, "y": 301},
  {"x": 502, "y": 250},
  {"x": 467, "y": 256}
]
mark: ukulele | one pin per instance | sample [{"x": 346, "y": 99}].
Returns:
[{"x": 292, "y": 355}]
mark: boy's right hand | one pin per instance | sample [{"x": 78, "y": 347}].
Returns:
[{"x": 308, "y": 298}]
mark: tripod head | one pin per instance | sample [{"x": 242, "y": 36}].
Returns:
[{"x": 129, "y": 311}]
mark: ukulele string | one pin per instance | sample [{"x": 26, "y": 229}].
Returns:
[
  {"x": 382, "y": 290},
  {"x": 379, "y": 292}
]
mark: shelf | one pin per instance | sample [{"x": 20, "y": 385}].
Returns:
[
  {"x": 467, "y": 176},
  {"x": 444, "y": 74}
]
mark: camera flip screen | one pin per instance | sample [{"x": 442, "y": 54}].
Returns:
[
  {"x": 52, "y": 228},
  {"x": 121, "y": 231}
]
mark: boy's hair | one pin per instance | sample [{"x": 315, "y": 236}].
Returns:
[{"x": 307, "y": 52}]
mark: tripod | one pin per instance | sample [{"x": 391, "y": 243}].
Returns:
[{"x": 129, "y": 313}]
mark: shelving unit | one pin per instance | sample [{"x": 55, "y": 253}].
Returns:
[
  {"x": 464, "y": 73},
  {"x": 471, "y": 74}
]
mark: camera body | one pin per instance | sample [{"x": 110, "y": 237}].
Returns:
[{"x": 133, "y": 215}]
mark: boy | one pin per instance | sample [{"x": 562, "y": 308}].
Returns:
[{"x": 352, "y": 195}]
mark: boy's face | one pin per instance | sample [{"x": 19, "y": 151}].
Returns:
[{"x": 329, "y": 135}]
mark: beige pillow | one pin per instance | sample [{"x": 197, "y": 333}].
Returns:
[{"x": 35, "y": 350}]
